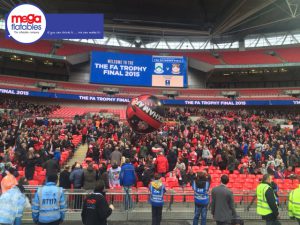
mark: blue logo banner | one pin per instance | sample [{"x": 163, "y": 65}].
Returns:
[
  {"x": 74, "y": 26},
  {"x": 165, "y": 101},
  {"x": 28, "y": 26},
  {"x": 138, "y": 70}
]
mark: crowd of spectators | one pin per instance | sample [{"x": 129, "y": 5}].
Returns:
[
  {"x": 247, "y": 141},
  {"x": 29, "y": 139}
]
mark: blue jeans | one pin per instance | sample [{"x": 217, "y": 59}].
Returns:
[
  {"x": 127, "y": 199},
  {"x": 18, "y": 221},
  {"x": 200, "y": 210}
]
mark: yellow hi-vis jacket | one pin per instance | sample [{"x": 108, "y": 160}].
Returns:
[
  {"x": 263, "y": 207},
  {"x": 294, "y": 203}
]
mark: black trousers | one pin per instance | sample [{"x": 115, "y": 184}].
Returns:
[
  {"x": 52, "y": 223},
  {"x": 272, "y": 222},
  {"x": 223, "y": 223},
  {"x": 156, "y": 215}
]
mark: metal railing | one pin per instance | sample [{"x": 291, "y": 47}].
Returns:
[{"x": 179, "y": 204}]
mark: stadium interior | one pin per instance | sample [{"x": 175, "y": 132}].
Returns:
[{"x": 241, "y": 101}]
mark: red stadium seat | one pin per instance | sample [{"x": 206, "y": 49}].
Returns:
[
  {"x": 143, "y": 195},
  {"x": 33, "y": 182},
  {"x": 139, "y": 184},
  {"x": 178, "y": 194}
]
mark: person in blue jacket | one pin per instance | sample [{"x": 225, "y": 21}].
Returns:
[
  {"x": 12, "y": 204},
  {"x": 49, "y": 206},
  {"x": 157, "y": 191},
  {"x": 127, "y": 179},
  {"x": 200, "y": 186}
]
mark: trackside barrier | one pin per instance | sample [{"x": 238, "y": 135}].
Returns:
[{"x": 179, "y": 204}]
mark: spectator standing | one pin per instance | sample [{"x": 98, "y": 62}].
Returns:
[
  {"x": 162, "y": 164},
  {"x": 200, "y": 187},
  {"x": 289, "y": 173},
  {"x": 103, "y": 175},
  {"x": 49, "y": 206},
  {"x": 64, "y": 178},
  {"x": 206, "y": 155},
  {"x": 222, "y": 205},
  {"x": 127, "y": 180},
  {"x": 157, "y": 191},
  {"x": 244, "y": 169},
  {"x": 180, "y": 170},
  {"x": 76, "y": 178},
  {"x": 114, "y": 175},
  {"x": 84, "y": 133},
  {"x": 30, "y": 164},
  {"x": 116, "y": 156},
  {"x": 266, "y": 201},
  {"x": 89, "y": 177},
  {"x": 12, "y": 204},
  {"x": 263, "y": 169},
  {"x": 172, "y": 158},
  {"x": 51, "y": 166},
  {"x": 291, "y": 159},
  {"x": 9, "y": 180},
  {"x": 95, "y": 209}
]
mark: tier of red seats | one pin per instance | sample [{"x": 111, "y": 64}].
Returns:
[
  {"x": 17, "y": 80},
  {"x": 43, "y": 47},
  {"x": 70, "y": 112},
  {"x": 289, "y": 54},
  {"x": 91, "y": 89},
  {"x": 248, "y": 57},
  {"x": 204, "y": 57}
]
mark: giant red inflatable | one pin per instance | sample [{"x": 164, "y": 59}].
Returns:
[{"x": 145, "y": 114}]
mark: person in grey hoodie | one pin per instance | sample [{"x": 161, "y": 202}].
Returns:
[
  {"x": 116, "y": 156},
  {"x": 76, "y": 178},
  {"x": 89, "y": 177}
]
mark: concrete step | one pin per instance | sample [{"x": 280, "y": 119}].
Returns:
[{"x": 79, "y": 155}]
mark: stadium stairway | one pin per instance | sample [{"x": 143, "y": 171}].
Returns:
[{"x": 79, "y": 155}]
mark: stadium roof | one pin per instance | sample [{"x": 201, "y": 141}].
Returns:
[{"x": 189, "y": 24}]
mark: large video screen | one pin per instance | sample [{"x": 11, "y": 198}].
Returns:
[{"x": 138, "y": 70}]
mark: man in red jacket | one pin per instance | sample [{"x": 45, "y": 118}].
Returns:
[{"x": 162, "y": 164}]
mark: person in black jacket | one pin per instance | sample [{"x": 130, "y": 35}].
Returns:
[
  {"x": 172, "y": 159},
  {"x": 64, "y": 180},
  {"x": 30, "y": 164},
  {"x": 95, "y": 209},
  {"x": 51, "y": 166}
]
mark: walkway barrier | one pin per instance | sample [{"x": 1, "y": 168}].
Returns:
[{"x": 179, "y": 204}]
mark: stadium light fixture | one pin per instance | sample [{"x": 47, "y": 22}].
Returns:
[
  {"x": 233, "y": 95},
  {"x": 45, "y": 86},
  {"x": 15, "y": 58},
  {"x": 48, "y": 63},
  {"x": 293, "y": 93},
  {"x": 28, "y": 60},
  {"x": 111, "y": 91},
  {"x": 170, "y": 94},
  {"x": 137, "y": 42}
]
